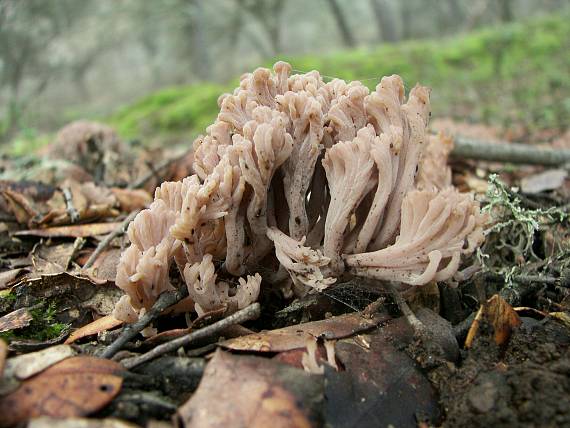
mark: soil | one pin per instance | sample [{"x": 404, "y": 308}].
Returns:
[{"x": 526, "y": 384}]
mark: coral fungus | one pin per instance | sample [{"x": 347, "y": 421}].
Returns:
[{"x": 305, "y": 181}]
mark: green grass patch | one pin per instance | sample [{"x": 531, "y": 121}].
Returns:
[{"x": 509, "y": 75}]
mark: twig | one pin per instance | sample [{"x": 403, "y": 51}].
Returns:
[
  {"x": 68, "y": 197},
  {"x": 155, "y": 171},
  {"x": 246, "y": 314},
  {"x": 415, "y": 323},
  {"x": 508, "y": 152},
  {"x": 165, "y": 300},
  {"x": 77, "y": 246},
  {"x": 105, "y": 242}
]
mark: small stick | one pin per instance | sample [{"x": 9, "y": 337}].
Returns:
[
  {"x": 415, "y": 323},
  {"x": 246, "y": 314},
  {"x": 77, "y": 246},
  {"x": 105, "y": 242},
  {"x": 165, "y": 300},
  {"x": 71, "y": 211},
  {"x": 508, "y": 152}
]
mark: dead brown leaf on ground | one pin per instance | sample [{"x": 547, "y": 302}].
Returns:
[
  {"x": 294, "y": 337},
  {"x": 247, "y": 391},
  {"x": 498, "y": 314},
  {"x": 15, "y": 320},
  {"x": 77, "y": 386},
  {"x": 75, "y": 231},
  {"x": 105, "y": 323}
]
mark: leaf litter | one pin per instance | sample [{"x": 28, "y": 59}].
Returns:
[{"x": 511, "y": 369}]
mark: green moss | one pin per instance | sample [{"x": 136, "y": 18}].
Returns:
[
  {"x": 43, "y": 326},
  {"x": 173, "y": 110},
  {"x": 508, "y": 75}
]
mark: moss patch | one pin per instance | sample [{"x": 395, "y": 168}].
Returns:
[{"x": 509, "y": 75}]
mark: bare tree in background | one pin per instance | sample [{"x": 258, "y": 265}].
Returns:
[
  {"x": 267, "y": 13},
  {"x": 345, "y": 31},
  {"x": 27, "y": 31},
  {"x": 385, "y": 20}
]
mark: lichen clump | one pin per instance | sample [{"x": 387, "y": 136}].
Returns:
[{"x": 306, "y": 182}]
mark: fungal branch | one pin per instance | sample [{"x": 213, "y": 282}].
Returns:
[{"x": 311, "y": 180}]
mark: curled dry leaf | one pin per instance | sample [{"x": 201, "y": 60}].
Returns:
[
  {"x": 500, "y": 315},
  {"x": 16, "y": 319},
  {"x": 8, "y": 277},
  {"x": 77, "y": 386},
  {"x": 19, "y": 206},
  {"x": 102, "y": 324},
  {"x": 246, "y": 391},
  {"x": 294, "y": 337}
]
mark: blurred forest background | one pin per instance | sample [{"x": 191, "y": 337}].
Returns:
[{"x": 154, "y": 69}]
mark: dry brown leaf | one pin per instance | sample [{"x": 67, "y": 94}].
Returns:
[
  {"x": 293, "y": 337},
  {"x": 8, "y": 277},
  {"x": 25, "y": 366},
  {"x": 102, "y": 324},
  {"x": 19, "y": 206},
  {"x": 75, "y": 231},
  {"x": 247, "y": 391},
  {"x": 16, "y": 319},
  {"x": 500, "y": 315},
  {"x": 105, "y": 266},
  {"x": 77, "y": 386},
  {"x": 132, "y": 199}
]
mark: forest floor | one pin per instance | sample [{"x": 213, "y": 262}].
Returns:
[{"x": 496, "y": 352}]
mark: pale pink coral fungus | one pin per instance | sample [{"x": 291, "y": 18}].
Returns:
[{"x": 305, "y": 181}]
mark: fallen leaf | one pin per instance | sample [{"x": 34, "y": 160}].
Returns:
[
  {"x": 47, "y": 422},
  {"x": 24, "y": 366},
  {"x": 132, "y": 199},
  {"x": 8, "y": 277},
  {"x": 248, "y": 391},
  {"x": 75, "y": 231},
  {"x": 19, "y": 206},
  {"x": 293, "y": 337},
  {"x": 500, "y": 315},
  {"x": 16, "y": 319},
  {"x": 547, "y": 180},
  {"x": 379, "y": 387},
  {"x": 76, "y": 386},
  {"x": 102, "y": 324},
  {"x": 105, "y": 266}
]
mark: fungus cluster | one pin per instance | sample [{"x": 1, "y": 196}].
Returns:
[{"x": 305, "y": 182}]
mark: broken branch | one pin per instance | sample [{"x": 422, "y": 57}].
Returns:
[{"x": 246, "y": 314}]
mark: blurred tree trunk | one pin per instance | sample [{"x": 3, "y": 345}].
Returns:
[
  {"x": 268, "y": 14},
  {"x": 195, "y": 30},
  {"x": 506, "y": 10},
  {"x": 345, "y": 31},
  {"x": 384, "y": 20},
  {"x": 406, "y": 12}
]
